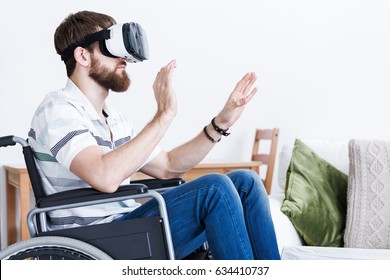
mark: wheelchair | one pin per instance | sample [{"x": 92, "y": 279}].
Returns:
[{"x": 142, "y": 239}]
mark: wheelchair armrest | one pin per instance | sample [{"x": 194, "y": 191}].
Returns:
[
  {"x": 155, "y": 184},
  {"x": 89, "y": 194}
]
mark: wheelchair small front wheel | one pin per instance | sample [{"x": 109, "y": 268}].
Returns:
[{"x": 52, "y": 248}]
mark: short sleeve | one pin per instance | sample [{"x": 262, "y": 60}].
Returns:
[{"x": 64, "y": 131}]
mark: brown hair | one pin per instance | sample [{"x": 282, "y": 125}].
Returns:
[{"x": 75, "y": 27}]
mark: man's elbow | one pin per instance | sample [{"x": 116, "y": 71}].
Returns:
[
  {"x": 172, "y": 174},
  {"x": 106, "y": 185}
]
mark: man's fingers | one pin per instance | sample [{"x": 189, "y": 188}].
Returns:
[
  {"x": 251, "y": 94},
  {"x": 246, "y": 82},
  {"x": 165, "y": 73},
  {"x": 245, "y": 100}
]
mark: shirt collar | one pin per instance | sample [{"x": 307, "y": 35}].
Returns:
[{"x": 73, "y": 92}]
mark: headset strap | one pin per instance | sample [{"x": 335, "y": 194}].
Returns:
[{"x": 84, "y": 42}]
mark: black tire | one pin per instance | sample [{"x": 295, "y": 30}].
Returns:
[{"x": 52, "y": 248}]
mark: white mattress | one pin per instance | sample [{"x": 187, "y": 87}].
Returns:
[
  {"x": 332, "y": 253},
  {"x": 286, "y": 234}
]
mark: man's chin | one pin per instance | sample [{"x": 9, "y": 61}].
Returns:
[{"x": 121, "y": 87}]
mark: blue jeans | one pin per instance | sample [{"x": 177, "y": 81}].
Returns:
[{"x": 230, "y": 211}]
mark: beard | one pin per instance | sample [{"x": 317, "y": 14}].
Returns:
[{"x": 108, "y": 79}]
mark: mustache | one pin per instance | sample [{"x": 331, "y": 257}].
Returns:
[{"x": 122, "y": 63}]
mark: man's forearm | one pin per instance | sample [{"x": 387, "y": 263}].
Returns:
[
  {"x": 129, "y": 157},
  {"x": 186, "y": 156},
  {"x": 106, "y": 172}
]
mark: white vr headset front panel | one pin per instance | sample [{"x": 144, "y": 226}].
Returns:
[{"x": 115, "y": 44}]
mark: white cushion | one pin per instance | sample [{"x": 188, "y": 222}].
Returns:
[
  {"x": 334, "y": 152},
  {"x": 286, "y": 233}
]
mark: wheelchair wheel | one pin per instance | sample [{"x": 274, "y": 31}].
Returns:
[{"x": 52, "y": 248}]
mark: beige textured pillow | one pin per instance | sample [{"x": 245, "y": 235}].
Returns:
[{"x": 368, "y": 195}]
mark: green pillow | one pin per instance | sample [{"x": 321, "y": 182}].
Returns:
[{"x": 315, "y": 199}]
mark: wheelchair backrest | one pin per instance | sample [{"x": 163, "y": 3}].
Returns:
[{"x": 33, "y": 173}]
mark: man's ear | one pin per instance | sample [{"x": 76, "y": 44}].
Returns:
[{"x": 82, "y": 56}]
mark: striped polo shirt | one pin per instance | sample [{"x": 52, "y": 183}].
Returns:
[{"x": 64, "y": 124}]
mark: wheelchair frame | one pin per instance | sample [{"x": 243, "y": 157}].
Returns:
[{"x": 72, "y": 248}]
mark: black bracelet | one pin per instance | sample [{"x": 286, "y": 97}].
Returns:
[
  {"x": 209, "y": 137},
  {"x": 218, "y": 129}
]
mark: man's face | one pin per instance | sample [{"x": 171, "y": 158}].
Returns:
[{"x": 115, "y": 79}]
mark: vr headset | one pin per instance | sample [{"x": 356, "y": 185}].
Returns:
[{"x": 127, "y": 40}]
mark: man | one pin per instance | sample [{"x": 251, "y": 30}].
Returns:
[{"x": 80, "y": 142}]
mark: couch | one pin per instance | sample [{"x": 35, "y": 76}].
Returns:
[{"x": 290, "y": 241}]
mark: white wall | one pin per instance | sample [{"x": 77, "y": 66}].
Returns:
[{"x": 323, "y": 66}]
